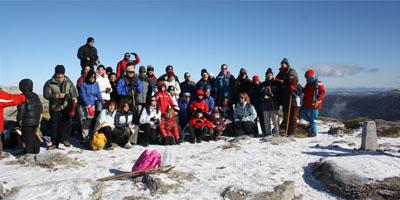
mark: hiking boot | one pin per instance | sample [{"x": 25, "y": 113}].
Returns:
[
  {"x": 66, "y": 143},
  {"x": 311, "y": 134}
]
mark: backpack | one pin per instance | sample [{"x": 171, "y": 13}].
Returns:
[
  {"x": 147, "y": 160},
  {"x": 98, "y": 141}
]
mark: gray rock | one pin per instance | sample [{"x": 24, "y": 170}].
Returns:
[
  {"x": 369, "y": 139},
  {"x": 1, "y": 191},
  {"x": 348, "y": 185},
  {"x": 284, "y": 191}
]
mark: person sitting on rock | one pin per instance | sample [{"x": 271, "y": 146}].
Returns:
[
  {"x": 200, "y": 127},
  {"x": 244, "y": 117},
  {"x": 169, "y": 128},
  {"x": 124, "y": 121}
]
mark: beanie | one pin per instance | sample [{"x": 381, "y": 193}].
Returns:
[
  {"x": 59, "y": 69},
  {"x": 269, "y": 70},
  {"x": 90, "y": 39},
  {"x": 256, "y": 78}
]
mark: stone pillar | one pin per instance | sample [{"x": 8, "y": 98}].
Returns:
[{"x": 369, "y": 140}]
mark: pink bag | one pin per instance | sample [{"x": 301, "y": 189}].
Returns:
[{"x": 147, "y": 160}]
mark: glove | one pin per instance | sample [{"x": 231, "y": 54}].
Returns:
[
  {"x": 157, "y": 122},
  {"x": 90, "y": 110},
  {"x": 153, "y": 119},
  {"x": 71, "y": 111}
]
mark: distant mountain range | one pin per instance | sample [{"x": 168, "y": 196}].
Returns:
[
  {"x": 358, "y": 90},
  {"x": 353, "y": 103}
]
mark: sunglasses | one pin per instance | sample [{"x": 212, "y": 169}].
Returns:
[
  {"x": 224, "y": 68},
  {"x": 153, "y": 100},
  {"x": 131, "y": 72},
  {"x": 241, "y": 97}
]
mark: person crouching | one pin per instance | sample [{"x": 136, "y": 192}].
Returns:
[
  {"x": 219, "y": 123},
  {"x": 124, "y": 121},
  {"x": 169, "y": 128},
  {"x": 199, "y": 127}
]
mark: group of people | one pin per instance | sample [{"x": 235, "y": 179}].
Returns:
[{"x": 139, "y": 108}]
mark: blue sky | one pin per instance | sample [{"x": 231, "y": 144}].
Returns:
[{"x": 351, "y": 44}]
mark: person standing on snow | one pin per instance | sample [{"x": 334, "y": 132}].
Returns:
[
  {"x": 314, "y": 94},
  {"x": 88, "y": 54}
]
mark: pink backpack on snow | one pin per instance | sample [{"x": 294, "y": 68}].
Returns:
[{"x": 147, "y": 160}]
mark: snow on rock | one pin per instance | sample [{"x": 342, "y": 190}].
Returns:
[{"x": 202, "y": 171}]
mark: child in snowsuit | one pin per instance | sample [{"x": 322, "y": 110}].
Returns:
[
  {"x": 199, "y": 127},
  {"x": 169, "y": 128}
]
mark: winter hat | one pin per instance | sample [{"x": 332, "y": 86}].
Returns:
[
  {"x": 242, "y": 71},
  {"x": 204, "y": 71},
  {"x": 309, "y": 73},
  {"x": 269, "y": 70},
  {"x": 256, "y": 78},
  {"x": 285, "y": 61},
  {"x": 186, "y": 94},
  {"x": 59, "y": 69},
  {"x": 208, "y": 87},
  {"x": 90, "y": 39},
  {"x": 212, "y": 74},
  {"x": 142, "y": 69},
  {"x": 130, "y": 68},
  {"x": 109, "y": 70},
  {"x": 200, "y": 92},
  {"x": 168, "y": 68},
  {"x": 26, "y": 85},
  {"x": 150, "y": 68},
  {"x": 91, "y": 73},
  {"x": 160, "y": 84}
]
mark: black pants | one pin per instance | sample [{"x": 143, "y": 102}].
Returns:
[
  {"x": 116, "y": 136},
  {"x": 244, "y": 128},
  {"x": 60, "y": 126},
  {"x": 149, "y": 135},
  {"x": 197, "y": 133},
  {"x": 31, "y": 141}
]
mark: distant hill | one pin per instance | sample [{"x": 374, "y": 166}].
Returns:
[
  {"x": 373, "y": 104},
  {"x": 358, "y": 90}
]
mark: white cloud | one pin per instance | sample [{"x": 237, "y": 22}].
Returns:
[{"x": 327, "y": 70}]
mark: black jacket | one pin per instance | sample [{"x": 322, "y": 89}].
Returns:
[
  {"x": 269, "y": 98},
  {"x": 30, "y": 111},
  {"x": 87, "y": 51}
]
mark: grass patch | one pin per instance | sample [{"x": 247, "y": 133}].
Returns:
[
  {"x": 354, "y": 123},
  {"x": 393, "y": 132}
]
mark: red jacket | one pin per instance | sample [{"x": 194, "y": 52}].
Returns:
[
  {"x": 200, "y": 123},
  {"x": 7, "y": 100},
  {"x": 121, "y": 66},
  {"x": 195, "y": 105},
  {"x": 309, "y": 93},
  {"x": 164, "y": 101},
  {"x": 169, "y": 127}
]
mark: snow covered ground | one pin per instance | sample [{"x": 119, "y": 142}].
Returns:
[{"x": 202, "y": 171}]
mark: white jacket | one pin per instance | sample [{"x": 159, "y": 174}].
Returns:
[
  {"x": 146, "y": 118},
  {"x": 104, "y": 83},
  {"x": 174, "y": 83},
  {"x": 107, "y": 118}
]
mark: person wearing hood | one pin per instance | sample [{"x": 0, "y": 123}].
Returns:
[
  {"x": 8, "y": 100},
  {"x": 204, "y": 82},
  {"x": 88, "y": 54},
  {"x": 164, "y": 101},
  {"x": 269, "y": 104},
  {"x": 129, "y": 86},
  {"x": 141, "y": 98},
  {"x": 169, "y": 128},
  {"x": 28, "y": 117},
  {"x": 224, "y": 83},
  {"x": 199, "y": 103},
  {"x": 314, "y": 94},
  {"x": 90, "y": 97},
  {"x": 187, "y": 86},
  {"x": 165, "y": 76},
  {"x": 242, "y": 84},
  {"x": 288, "y": 81},
  {"x": 104, "y": 84},
  {"x": 62, "y": 96},
  {"x": 152, "y": 79},
  {"x": 123, "y": 64},
  {"x": 244, "y": 117}
]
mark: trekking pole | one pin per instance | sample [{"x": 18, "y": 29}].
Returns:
[{"x": 288, "y": 115}]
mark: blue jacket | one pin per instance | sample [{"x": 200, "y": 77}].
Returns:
[
  {"x": 184, "y": 112},
  {"x": 89, "y": 93},
  {"x": 124, "y": 90},
  {"x": 224, "y": 86},
  {"x": 210, "y": 102}
]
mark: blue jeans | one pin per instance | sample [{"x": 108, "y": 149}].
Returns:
[{"x": 310, "y": 115}]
